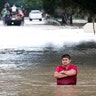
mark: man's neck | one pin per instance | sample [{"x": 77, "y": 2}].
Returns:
[{"x": 66, "y": 66}]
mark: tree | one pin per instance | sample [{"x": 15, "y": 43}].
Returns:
[
  {"x": 27, "y": 4},
  {"x": 16, "y": 2},
  {"x": 69, "y": 8},
  {"x": 89, "y": 6},
  {"x": 32, "y": 4},
  {"x": 49, "y": 6},
  {"x": 66, "y": 9}
]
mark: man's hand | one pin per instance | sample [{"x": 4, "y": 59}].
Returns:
[
  {"x": 62, "y": 72},
  {"x": 69, "y": 72},
  {"x": 59, "y": 75}
]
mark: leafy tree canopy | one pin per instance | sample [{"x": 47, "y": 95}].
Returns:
[{"x": 89, "y": 5}]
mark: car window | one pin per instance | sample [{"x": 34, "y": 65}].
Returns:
[{"x": 35, "y": 12}]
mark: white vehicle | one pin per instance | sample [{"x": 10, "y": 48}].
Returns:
[{"x": 35, "y": 15}]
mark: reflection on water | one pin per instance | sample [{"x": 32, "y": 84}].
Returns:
[{"x": 30, "y": 73}]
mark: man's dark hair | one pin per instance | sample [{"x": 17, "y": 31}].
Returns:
[{"x": 66, "y": 56}]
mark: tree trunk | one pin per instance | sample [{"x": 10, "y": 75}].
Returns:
[
  {"x": 89, "y": 19},
  {"x": 71, "y": 21},
  {"x": 93, "y": 26},
  {"x": 64, "y": 19}
]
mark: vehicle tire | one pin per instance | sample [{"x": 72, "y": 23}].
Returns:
[
  {"x": 30, "y": 19},
  {"x": 8, "y": 24},
  {"x": 18, "y": 23},
  {"x": 40, "y": 19}
]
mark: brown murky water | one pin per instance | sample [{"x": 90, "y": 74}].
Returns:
[{"x": 28, "y": 73}]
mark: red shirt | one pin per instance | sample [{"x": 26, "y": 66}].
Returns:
[{"x": 70, "y": 80}]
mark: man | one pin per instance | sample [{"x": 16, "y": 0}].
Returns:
[
  {"x": 14, "y": 9},
  {"x": 7, "y": 6},
  {"x": 66, "y": 74}
]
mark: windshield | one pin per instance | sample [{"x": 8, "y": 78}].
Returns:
[{"x": 37, "y": 11}]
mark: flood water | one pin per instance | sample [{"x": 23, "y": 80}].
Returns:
[
  {"x": 28, "y": 59},
  {"x": 30, "y": 73}
]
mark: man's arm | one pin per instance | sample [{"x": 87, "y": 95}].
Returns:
[
  {"x": 59, "y": 75},
  {"x": 69, "y": 72}
]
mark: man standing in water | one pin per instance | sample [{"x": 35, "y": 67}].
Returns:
[{"x": 66, "y": 74}]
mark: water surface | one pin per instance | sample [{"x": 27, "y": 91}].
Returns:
[{"x": 30, "y": 72}]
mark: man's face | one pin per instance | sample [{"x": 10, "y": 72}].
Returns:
[{"x": 66, "y": 61}]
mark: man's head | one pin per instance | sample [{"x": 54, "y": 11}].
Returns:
[{"x": 66, "y": 59}]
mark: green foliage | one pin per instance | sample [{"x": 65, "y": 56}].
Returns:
[
  {"x": 49, "y": 6},
  {"x": 16, "y": 2},
  {"x": 28, "y": 4},
  {"x": 88, "y": 5},
  {"x": 70, "y": 5},
  {"x": 32, "y": 4}
]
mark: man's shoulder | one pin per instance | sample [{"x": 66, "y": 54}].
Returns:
[
  {"x": 59, "y": 67},
  {"x": 73, "y": 66}
]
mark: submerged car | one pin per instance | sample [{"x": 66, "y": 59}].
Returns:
[{"x": 35, "y": 15}]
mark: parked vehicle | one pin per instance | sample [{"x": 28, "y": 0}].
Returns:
[{"x": 35, "y": 15}]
